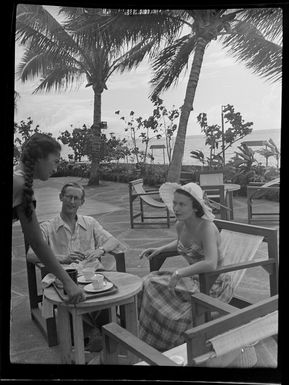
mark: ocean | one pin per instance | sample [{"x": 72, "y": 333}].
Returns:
[{"x": 197, "y": 142}]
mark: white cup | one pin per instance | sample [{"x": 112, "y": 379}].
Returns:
[
  {"x": 88, "y": 273},
  {"x": 179, "y": 360},
  {"x": 98, "y": 281}
]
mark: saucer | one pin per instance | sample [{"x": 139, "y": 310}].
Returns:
[
  {"x": 82, "y": 279},
  {"x": 90, "y": 289}
]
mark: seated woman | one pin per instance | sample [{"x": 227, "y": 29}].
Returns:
[{"x": 165, "y": 313}]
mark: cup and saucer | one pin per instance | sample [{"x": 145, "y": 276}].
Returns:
[
  {"x": 98, "y": 284},
  {"x": 86, "y": 275}
]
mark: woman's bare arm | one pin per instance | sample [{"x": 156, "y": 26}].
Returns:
[{"x": 33, "y": 235}]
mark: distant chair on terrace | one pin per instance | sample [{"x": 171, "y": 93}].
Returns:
[
  {"x": 256, "y": 190},
  {"x": 150, "y": 198},
  {"x": 211, "y": 178}
]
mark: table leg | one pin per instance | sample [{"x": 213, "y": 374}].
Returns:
[
  {"x": 229, "y": 203},
  {"x": 64, "y": 335},
  {"x": 78, "y": 337},
  {"x": 112, "y": 314},
  {"x": 131, "y": 317}
]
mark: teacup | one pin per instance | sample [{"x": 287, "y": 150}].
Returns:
[
  {"x": 98, "y": 281},
  {"x": 88, "y": 273}
]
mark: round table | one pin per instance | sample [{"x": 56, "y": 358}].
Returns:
[{"x": 128, "y": 285}]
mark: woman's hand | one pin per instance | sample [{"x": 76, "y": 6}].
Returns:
[
  {"x": 174, "y": 280},
  {"x": 149, "y": 253},
  {"x": 75, "y": 293}
]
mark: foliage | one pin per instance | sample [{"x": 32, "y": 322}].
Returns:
[
  {"x": 118, "y": 172},
  {"x": 77, "y": 141},
  {"x": 270, "y": 150},
  {"x": 80, "y": 142},
  {"x": 166, "y": 122},
  {"x": 22, "y": 132},
  {"x": 159, "y": 124},
  {"x": 147, "y": 130},
  {"x": 216, "y": 139},
  {"x": 247, "y": 169}
]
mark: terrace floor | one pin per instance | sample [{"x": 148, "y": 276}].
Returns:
[{"x": 109, "y": 204}]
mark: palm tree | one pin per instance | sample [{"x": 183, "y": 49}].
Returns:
[
  {"x": 90, "y": 43},
  {"x": 252, "y": 36}
]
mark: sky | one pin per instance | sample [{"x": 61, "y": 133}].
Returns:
[{"x": 222, "y": 81}]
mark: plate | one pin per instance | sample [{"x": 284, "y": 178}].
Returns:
[{"x": 90, "y": 289}]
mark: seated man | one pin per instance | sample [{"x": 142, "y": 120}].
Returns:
[{"x": 80, "y": 240}]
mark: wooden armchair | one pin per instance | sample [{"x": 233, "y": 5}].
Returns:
[
  {"x": 256, "y": 190},
  {"x": 209, "y": 344},
  {"x": 137, "y": 191},
  {"x": 216, "y": 197},
  {"x": 48, "y": 326},
  {"x": 240, "y": 243}
]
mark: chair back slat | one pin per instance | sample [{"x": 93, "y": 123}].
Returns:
[
  {"x": 208, "y": 178},
  {"x": 238, "y": 248}
]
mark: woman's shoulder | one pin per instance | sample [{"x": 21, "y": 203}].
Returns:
[
  {"x": 18, "y": 181},
  {"x": 209, "y": 227}
]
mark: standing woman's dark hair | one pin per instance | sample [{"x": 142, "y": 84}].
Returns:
[{"x": 36, "y": 147}]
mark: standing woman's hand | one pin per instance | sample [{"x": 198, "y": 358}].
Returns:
[
  {"x": 75, "y": 293},
  {"x": 174, "y": 280}
]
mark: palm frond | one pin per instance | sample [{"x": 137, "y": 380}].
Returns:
[
  {"x": 260, "y": 55},
  {"x": 117, "y": 27},
  {"x": 59, "y": 78},
  {"x": 36, "y": 26},
  {"x": 170, "y": 62},
  {"x": 134, "y": 56},
  {"x": 266, "y": 20}
]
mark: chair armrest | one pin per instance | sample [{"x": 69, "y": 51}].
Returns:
[
  {"x": 239, "y": 266},
  {"x": 203, "y": 302},
  {"x": 119, "y": 260},
  {"x": 235, "y": 319},
  {"x": 147, "y": 193},
  {"x": 156, "y": 262},
  {"x": 138, "y": 347}
]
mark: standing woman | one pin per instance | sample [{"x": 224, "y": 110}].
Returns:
[{"x": 39, "y": 160}]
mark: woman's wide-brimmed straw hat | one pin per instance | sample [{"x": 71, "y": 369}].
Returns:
[{"x": 168, "y": 189}]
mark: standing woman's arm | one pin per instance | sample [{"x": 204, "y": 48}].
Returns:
[{"x": 32, "y": 233}]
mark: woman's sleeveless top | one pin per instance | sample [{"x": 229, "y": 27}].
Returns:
[{"x": 195, "y": 253}]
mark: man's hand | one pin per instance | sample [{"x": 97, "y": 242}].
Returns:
[
  {"x": 93, "y": 254},
  {"x": 74, "y": 256}
]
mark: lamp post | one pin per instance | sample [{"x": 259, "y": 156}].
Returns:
[{"x": 223, "y": 142}]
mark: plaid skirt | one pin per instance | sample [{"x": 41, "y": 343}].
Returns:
[{"x": 163, "y": 315}]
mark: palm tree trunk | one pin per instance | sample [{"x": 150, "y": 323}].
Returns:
[
  {"x": 175, "y": 166},
  {"x": 95, "y": 140}
]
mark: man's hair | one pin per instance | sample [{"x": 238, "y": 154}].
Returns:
[
  {"x": 196, "y": 205},
  {"x": 73, "y": 184}
]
